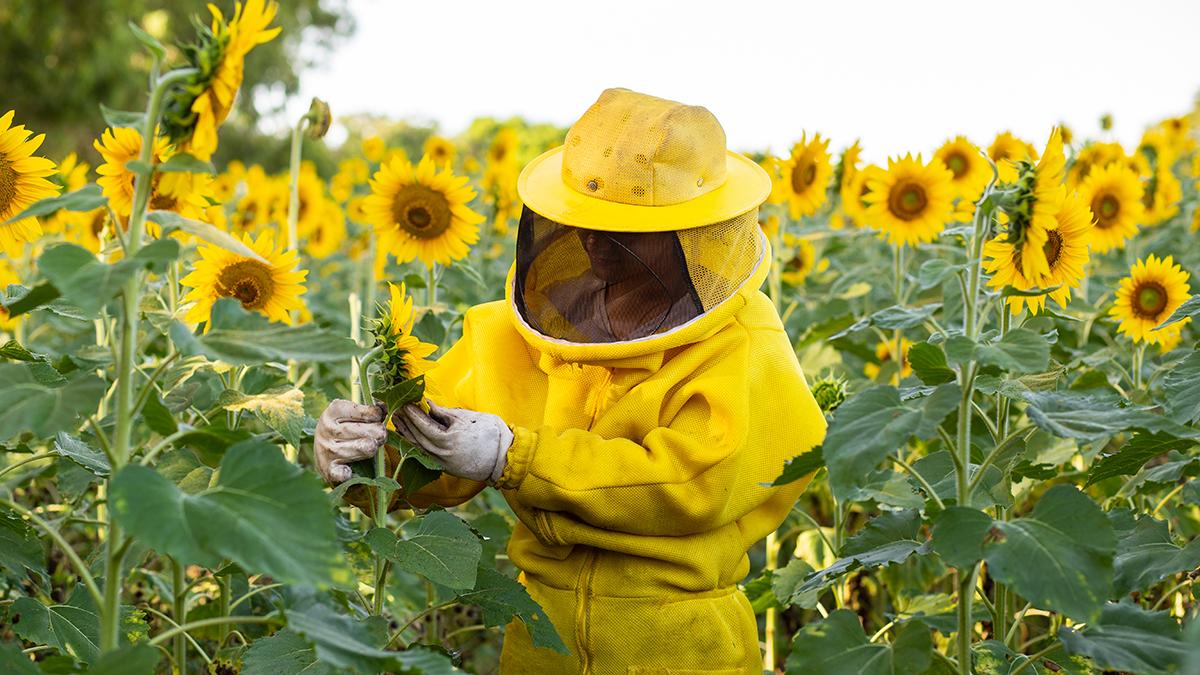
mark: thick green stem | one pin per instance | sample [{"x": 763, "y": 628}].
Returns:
[
  {"x": 431, "y": 286},
  {"x": 179, "y": 590},
  {"x": 1139, "y": 357},
  {"x": 110, "y": 611}
]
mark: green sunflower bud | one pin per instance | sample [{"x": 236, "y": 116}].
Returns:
[{"x": 830, "y": 392}]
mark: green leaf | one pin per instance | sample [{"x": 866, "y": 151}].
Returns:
[
  {"x": 1182, "y": 389},
  {"x": 442, "y": 549},
  {"x": 122, "y": 118},
  {"x": 787, "y": 581},
  {"x": 85, "y": 198},
  {"x": 20, "y": 547},
  {"x": 14, "y": 351},
  {"x": 27, "y": 404},
  {"x": 874, "y": 423},
  {"x": 502, "y": 599},
  {"x": 958, "y": 534},
  {"x": 149, "y": 41},
  {"x": 345, "y": 643},
  {"x": 247, "y": 339},
  {"x": 264, "y": 513},
  {"x": 284, "y": 653},
  {"x": 938, "y": 469},
  {"x": 891, "y": 318},
  {"x": 935, "y": 271},
  {"x": 281, "y": 408},
  {"x": 13, "y": 662},
  {"x": 800, "y": 466},
  {"x": 400, "y": 395},
  {"x": 1059, "y": 557},
  {"x": 1190, "y": 308},
  {"x": 837, "y": 644},
  {"x": 1020, "y": 350},
  {"x": 156, "y": 416},
  {"x": 139, "y": 659},
  {"x": 888, "y": 538},
  {"x": 41, "y": 295},
  {"x": 171, "y": 221},
  {"x": 185, "y": 163},
  {"x": 79, "y": 452},
  {"x": 928, "y": 362},
  {"x": 1146, "y": 554},
  {"x": 73, "y": 628},
  {"x": 1128, "y": 638},
  {"x": 1134, "y": 454},
  {"x": 88, "y": 283},
  {"x": 1090, "y": 417}
]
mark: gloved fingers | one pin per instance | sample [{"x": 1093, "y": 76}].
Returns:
[
  {"x": 414, "y": 436},
  {"x": 442, "y": 415},
  {"x": 336, "y": 472},
  {"x": 426, "y": 425},
  {"x": 351, "y": 450},
  {"x": 341, "y": 410},
  {"x": 348, "y": 431}
]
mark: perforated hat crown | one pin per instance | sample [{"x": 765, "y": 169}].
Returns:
[{"x": 635, "y": 162}]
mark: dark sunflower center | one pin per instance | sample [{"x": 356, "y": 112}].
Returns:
[
  {"x": 1053, "y": 247},
  {"x": 1107, "y": 208},
  {"x": 907, "y": 201},
  {"x": 250, "y": 281},
  {"x": 499, "y": 153},
  {"x": 796, "y": 264},
  {"x": 161, "y": 202},
  {"x": 420, "y": 211},
  {"x": 1000, "y": 154},
  {"x": 957, "y": 164},
  {"x": 803, "y": 176},
  {"x": 8, "y": 185},
  {"x": 98, "y": 223},
  {"x": 1149, "y": 299}
]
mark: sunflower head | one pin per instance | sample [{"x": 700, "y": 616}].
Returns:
[
  {"x": 970, "y": 170},
  {"x": 804, "y": 177},
  {"x": 1005, "y": 151},
  {"x": 830, "y": 392},
  {"x": 439, "y": 149},
  {"x": 884, "y": 354},
  {"x": 272, "y": 288},
  {"x": 402, "y": 355},
  {"x": 23, "y": 181},
  {"x": 912, "y": 201},
  {"x": 1114, "y": 195},
  {"x": 421, "y": 212},
  {"x": 1154, "y": 289}
]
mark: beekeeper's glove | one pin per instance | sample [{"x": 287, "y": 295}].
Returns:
[
  {"x": 346, "y": 433},
  {"x": 469, "y": 444}
]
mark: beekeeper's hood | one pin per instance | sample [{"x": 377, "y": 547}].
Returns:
[{"x": 639, "y": 227}]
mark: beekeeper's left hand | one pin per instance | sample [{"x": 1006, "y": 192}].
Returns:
[{"x": 469, "y": 444}]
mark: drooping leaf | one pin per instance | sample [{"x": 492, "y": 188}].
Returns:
[
  {"x": 874, "y": 423},
  {"x": 1145, "y": 552},
  {"x": 1182, "y": 389},
  {"x": 84, "y": 199},
  {"x": 1128, "y": 638},
  {"x": 89, "y": 284},
  {"x": 928, "y": 362},
  {"x": 77, "y": 451},
  {"x": 28, "y": 404},
  {"x": 958, "y": 534},
  {"x": 1134, "y": 454},
  {"x": 185, "y": 163},
  {"x": 1059, "y": 557},
  {"x": 1089, "y": 417},
  {"x": 837, "y": 644},
  {"x": 503, "y": 598},
  {"x": 264, "y": 513},
  {"x": 342, "y": 642},
  {"x": 800, "y": 466},
  {"x": 441, "y": 548},
  {"x": 243, "y": 338},
  {"x": 171, "y": 221},
  {"x": 888, "y": 538}
]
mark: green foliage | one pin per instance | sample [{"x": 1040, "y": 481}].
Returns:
[{"x": 838, "y": 645}]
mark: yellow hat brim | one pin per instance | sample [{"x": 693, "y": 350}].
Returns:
[{"x": 542, "y": 189}]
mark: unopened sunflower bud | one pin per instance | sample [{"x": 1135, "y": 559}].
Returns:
[
  {"x": 319, "y": 119},
  {"x": 1106, "y": 122},
  {"x": 830, "y": 392}
]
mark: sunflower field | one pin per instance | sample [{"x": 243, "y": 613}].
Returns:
[{"x": 1010, "y": 482}]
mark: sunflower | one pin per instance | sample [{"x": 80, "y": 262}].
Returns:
[
  {"x": 118, "y": 147},
  {"x": 1095, "y": 155},
  {"x": 8, "y": 276},
  {"x": 1154, "y": 289},
  {"x": 1114, "y": 194},
  {"x": 912, "y": 201},
  {"x": 197, "y": 109},
  {"x": 802, "y": 262},
  {"x": 257, "y": 207},
  {"x": 23, "y": 181},
  {"x": 225, "y": 186},
  {"x": 1161, "y": 196},
  {"x": 311, "y": 192},
  {"x": 971, "y": 171},
  {"x": 883, "y": 352},
  {"x": 805, "y": 175},
  {"x": 327, "y": 236},
  {"x": 1005, "y": 151},
  {"x": 372, "y": 148},
  {"x": 403, "y": 354},
  {"x": 272, "y": 288},
  {"x": 1036, "y": 216},
  {"x": 421, "y": 212},
  {"x": 1065, "y": 251},
  {"x": 71, "y": 176},
  {"x": 769, "y": 225},
  {"x": 1172, "y": 335},
  {"x": 853, "y": 197},
  {"x": 439, "y": 149}
]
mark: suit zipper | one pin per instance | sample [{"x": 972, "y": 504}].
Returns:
[{"x": 583, "y": 608}]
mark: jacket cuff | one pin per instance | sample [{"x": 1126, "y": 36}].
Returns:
[{"x": 520, "y": 454}]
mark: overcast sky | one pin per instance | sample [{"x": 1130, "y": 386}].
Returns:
[{"x": 902, "y": 76}]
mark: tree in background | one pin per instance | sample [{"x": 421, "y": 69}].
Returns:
[{"x": 58, "y": 57}]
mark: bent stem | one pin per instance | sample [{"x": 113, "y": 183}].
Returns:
[{"x": 110, "y": 610}]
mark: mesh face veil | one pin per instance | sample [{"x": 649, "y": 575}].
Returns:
[{"x": 594, "y": 286}]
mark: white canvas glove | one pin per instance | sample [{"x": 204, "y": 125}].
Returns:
[
  {"x": 346, "y": 433},
  {"x": 469, "y": 444}
]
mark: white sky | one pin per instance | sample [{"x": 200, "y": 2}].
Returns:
[{"x": 902, "y": 76}]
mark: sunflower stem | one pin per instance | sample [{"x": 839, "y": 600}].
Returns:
[
  {"x": 179, "y": 605},
  {"x": 775, "y": 280},
  {"x": 1139, "y": 357},
  {"x": 431, "y": 286},
  {"x": 110, "y": 611}
]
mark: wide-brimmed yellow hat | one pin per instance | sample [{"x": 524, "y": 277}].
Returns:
[{"x": 639, "y": 163}]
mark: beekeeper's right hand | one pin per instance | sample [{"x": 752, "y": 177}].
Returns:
[{"x": 346, "y": 433}]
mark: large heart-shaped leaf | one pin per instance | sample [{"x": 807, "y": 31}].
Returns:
[
  {"x": 345, "y": 643},
  {"x": 28, "y": 403},
  {"x": 837, "y": 644},
  {"x": 1146, "y": 554},
  {"x": 264, "y": 513},
  {"x": 20, "y": 547},
  {"x": 1128, "y": 638},
  {"x": 503, "y": 598},
  {"x": 441, "y": 548}
]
